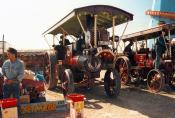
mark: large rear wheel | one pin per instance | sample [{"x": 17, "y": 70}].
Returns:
[
  {"x": 51, "y": 73},
  {"x": 112, "y": 83},
  {"x": 122, "y": 65},
  {"x": 155, "y": 80}
]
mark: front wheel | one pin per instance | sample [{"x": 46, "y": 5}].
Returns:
[
  {"x": 67, "y": 82},
  {"x": 112, "y": 83},
  {"x": 155, "y": 80},
  {"x": 123, "y": 67},
  {"x": 172, "y": 81}
]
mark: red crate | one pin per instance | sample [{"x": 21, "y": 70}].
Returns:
[{"x": 8, "y": 102}]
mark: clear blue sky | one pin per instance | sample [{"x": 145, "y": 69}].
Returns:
[{"x": 23, "y": 21}]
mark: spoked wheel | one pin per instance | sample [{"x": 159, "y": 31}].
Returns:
[
  {"x": 155, "y": 80},
  {"x": 47, "y": 71},
  {"x": 112, "y": 83},
  {"x": 172, "y": 81},
  {"x": 122, "y": 65},
  {"x": 51, "y": 73},
  {"x": 93, "y": 64},
  {"x": 67, "y": 82}
]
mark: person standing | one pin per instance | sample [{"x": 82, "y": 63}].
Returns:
[
  {"x": 88, "y": 39},
  {"x": 13, "y": 72},
  {"x": 160, "y": 48}
]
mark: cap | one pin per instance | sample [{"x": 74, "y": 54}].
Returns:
[{"x": 12, "y": 50}]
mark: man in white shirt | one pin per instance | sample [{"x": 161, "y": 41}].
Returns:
[{"x": 88, "y": 39}]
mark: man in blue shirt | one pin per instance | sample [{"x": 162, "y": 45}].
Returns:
[{"x": 13, "y": 71}]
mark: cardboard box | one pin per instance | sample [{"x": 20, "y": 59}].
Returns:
[
  {"x": 9, "y": 112},
  {"x": 25, "y": 99}
]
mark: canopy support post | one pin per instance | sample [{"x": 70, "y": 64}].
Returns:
[
  {"x": 113, "y": 31},
  {"x": 95, "y": 30},
  {"x": 121, "y": 36},
  {"x": 81, "y": 24},
  {"x": 53, "y": 39}
]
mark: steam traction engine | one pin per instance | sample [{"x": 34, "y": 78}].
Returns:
[
  {"x": 141, "y": 66},
  {"x": 78, "y": 65}
]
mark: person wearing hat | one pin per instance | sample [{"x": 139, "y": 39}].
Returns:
[
  {"x": 13, "y": 72},
  {"x": 160, "y": 47}
]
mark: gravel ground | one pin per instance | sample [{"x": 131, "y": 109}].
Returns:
[{"x": 131, "y": 103}]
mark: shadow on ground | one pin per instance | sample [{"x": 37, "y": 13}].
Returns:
[
  {"x": 160, "y": 105},
  {"x": 149, "y": 104}
]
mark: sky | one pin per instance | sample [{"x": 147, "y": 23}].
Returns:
[{"x": 23, "y": 21}]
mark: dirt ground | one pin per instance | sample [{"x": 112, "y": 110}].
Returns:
[{"x": 131, "y": 103}]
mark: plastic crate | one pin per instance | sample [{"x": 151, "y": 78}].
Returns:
[
  {"x": 76, "y": 97},
  {"x": 8, "y": 102}
]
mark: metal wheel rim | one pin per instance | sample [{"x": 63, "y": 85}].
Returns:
[
  {"x": 155, "y": 81},
  {"x": 111, "y": 84},
  {"x": 123, "y": 69},
  {"x": 67, "y": 82}
]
